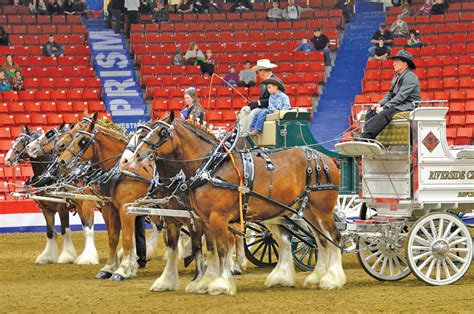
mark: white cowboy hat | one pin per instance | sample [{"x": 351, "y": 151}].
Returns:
[{"x": 264, "y": 64}]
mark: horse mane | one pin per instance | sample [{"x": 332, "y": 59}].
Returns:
[{"x": 201, "y": 129}]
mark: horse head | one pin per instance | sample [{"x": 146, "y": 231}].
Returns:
[
  {"x": 158, "y": 138},
  {"x": 80, "y": 147},
  {"x": 17, "y": 152},
  {"x": 45, "y": 143},
  {"x": 142, "y": 130}
]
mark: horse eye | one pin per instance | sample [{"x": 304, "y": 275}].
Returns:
[
  {"x": 49, "y": 134},
  {"x": 82, "y": 143},
  {"x": 162, "y": 132}
]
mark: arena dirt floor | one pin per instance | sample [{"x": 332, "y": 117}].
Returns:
[{"x": 26, "y": 287}]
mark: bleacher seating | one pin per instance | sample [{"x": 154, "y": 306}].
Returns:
[{"x": 445, "y": 66}]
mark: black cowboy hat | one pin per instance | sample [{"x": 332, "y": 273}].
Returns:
[
  {"x": 405, "y": 57},
  {"x": 276, "y": 82}
]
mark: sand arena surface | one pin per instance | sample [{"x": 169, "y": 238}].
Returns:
[{"x": 25, "y": 286}]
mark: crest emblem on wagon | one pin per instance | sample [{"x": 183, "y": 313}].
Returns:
[{"x": 430, "y": 141}]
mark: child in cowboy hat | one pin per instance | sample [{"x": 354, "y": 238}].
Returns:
[{"x": 278, "y": 101}]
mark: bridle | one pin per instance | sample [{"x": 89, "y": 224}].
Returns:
[
  {"x": 165, "y": 131},
  {"x": 76, "y": 157},
  {"x": 51, "y": 136},
  {"x": 19, "y": 154}
]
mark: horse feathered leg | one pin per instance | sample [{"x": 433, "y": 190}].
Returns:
[
  {"x": 224, "y": 283},
  {"x": 68, "y": 253},
  {"x": 212, "y": 270},
  {"x": 169, "y": 279},
  {"x": 284, "y": 272},
  {"x": 50, "y": 252},
  {"x": 89, "y": 255}
]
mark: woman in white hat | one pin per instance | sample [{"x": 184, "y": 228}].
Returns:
[{"x": 264, "y": 69}]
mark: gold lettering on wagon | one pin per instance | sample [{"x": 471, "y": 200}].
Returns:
[
  {"x": 465, "y": 194},
  {"x": 452, "y": 175}
]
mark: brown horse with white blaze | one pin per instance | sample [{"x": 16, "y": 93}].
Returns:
[{"x": 178, "y": 144}]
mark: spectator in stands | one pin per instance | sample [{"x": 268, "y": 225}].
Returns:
[
  {"x": 208, "y": 65},
  {"x": 178, "y": 57},
  {"x": 425, "y": 9},
  {"x": 145, "y": 6},
  {"x": 404, "y": 91},
  {"x": 38, "y": 7},
  {"x": 381, "y": 51},
  {"x": 264, "y": 71},
  {"x": 114, "y": 18},
  {"x": 214, "y": 7},
  {"x": 186, "y": 6},
  {"x": 275, "y": 14},
  {"x": 399, "y": 28},
  {"x": 277, "y": 101},
  {"x": 241, "y": 5},
  {"x": 201, "y": 6},
  {"x": 414, "y": 39},
  {"x": 78, "y": 7},
  {"x": 4, "y": 82},
  {"x": 69, "y": 7},
  {"x": 293, "y": 11},
  {"x": 132, "y": 14},
  {"x": 232, "y": 78},
  {"x": 194, "y": 55},
  {"x": 54, "y": 8},
  {"x": 192, "y": 107},
  {"x": 321, "y": 43},
  {"x": 304, "y": 46},
  {"x": 382, "y": 32},
  {"x": 52, "y": 48},
  {"x": 247, "y": 76},
  {"x": 160, "y": 13},
  {"x": 405, "y": 9},
  {"x": 347, "y": 8},
  {"x": 10, "y": 67},
  {"x": 18, "y": 81},
  {"x": 4, "y": 40},
  {"x": 439, "y": 7}
]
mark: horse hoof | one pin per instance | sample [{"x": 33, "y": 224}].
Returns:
[
  {"x": 103, "y": 275},
  {"x": 117, "y": 277}
]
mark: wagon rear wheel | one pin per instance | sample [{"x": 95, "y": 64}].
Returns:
[
  {"x": 439, "y": 249},
  {"x": 384, "y": 259},
  {"x": 260, "y": 247}
]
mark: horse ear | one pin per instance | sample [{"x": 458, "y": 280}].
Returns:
[
  {"x": 171, "y": 117},
  {"x": 94, "y": 119},
  {"x": 26, "y": 130},
  {"x": 61, "y": 126},
  {"x": 94, "y": 116}
]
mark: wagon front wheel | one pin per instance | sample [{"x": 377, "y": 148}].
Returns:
[
  {"x": 260, "y": 247},
  {"x": 439, "y": 249}
]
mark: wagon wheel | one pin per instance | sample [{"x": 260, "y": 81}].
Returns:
[
  {"x": 304, "y": 249},
  {"x": 260, "y": 247},
  {"x": 382, "y": 257},
  {"x": 439, "y": 249},
  {"x": 348, "y": 206}
]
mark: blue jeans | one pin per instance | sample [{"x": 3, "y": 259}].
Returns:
[
  {"x": 327, "y": 56},
  {"x": 258, "y": 120}
]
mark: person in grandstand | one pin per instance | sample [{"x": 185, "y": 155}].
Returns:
[
  {"x": 425, "y": 8},
  {"x": 404, "y": 91},
  {"x": 52, "y": 48},
  {"x": 305, "y": 46},
  {"x": 321, "y": 43},
  {"x": 414, "y": 39},
  {"x": 178, "y": 57},
  {"x": 4, "y": 82},
  {"x": 277, "y": 101},
  {"x": 132, "y": 7},
  {"x": 293, "y": 11},
  {"x": 10, "y": 67},
  {"x": 192, "y": 108},
  {"x": 241, "y": 5},
  {"x": 439, "y": 7},
  {"x": 264, "y": 70},
  {"x": 381, "y": 51},
  {"x": 18, "y": 81},
  {"x": 160, "y": 13},
  {"x": 382, "y": 32},
  {"x": 275, "y": 14},
  {"x": 247, "y": 77},
  {"x": 185, "y": 6},
  {"x": 194, "y": 55},
  {"x": 232, "y": 78},
  {"x": 399, "y": 28},
  {"x": 54, "y": 8}
]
